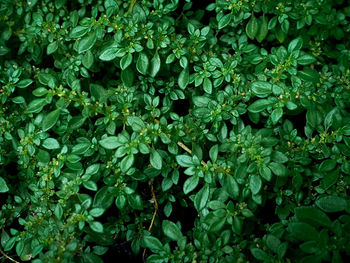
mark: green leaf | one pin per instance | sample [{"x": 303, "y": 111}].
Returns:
[
  {"x": 190, "y": 184},
  {"x": 152, "y": 243},
  {"x": 135, "y": 201},
  {"x": 207, "y": 86},
  {"x": 110, "y": 142},
  {"x": 327, "y": 165},
  {"x": 50, "y": 119},
  {"x": 201, "y": 198},
  {"x": 332, "y": 204},
  {"x": 302, "y": 231},
  {"x": 36, "y": 105},
  {"x": 3, "y": 186},
  {"x": 96, "y": 226},
  {"x": 261, "y": 89},
  {"x": 103, "y": 198},
  {"x": 184, "y": 78},
  {"x": 76, "y": 122},
  {"x": 201, "y": 101},
  {"x": 126, "y": 61},
  {"x": 51, "y": 48},
  {"x": 306, "y": 60},
  {"x": 184, "y": 160},
  {"x": 87, "y": 43},
  {"x": 109, "y": 54},
  {"x": 91, "y": 258},
  {"x": 91, "y": 185},
  {"x": 79, "y": 31},
  {"x": 279, "y": 157},
  {"x": 51, "y": 144},
  {"x": 259, "y": 105},
  {"x": 58, "y": 211},
  {"x": 127, "y": 162},
  {"x": 255, "y": 183},
  {"x": 295, "y": 44},
  {"x": 88, "y": 59},
  {"x": 171, "y": 230},
  {"x": 263, "y": 29},
  {"x": 24, "y": 83},
  {"x": 156, "y": 160},
  {"x": 19, "y": 248},
  {"x": 142, "y": 63},
  {"x": 259, "y": 254},
  {"x": 309, "y": 75},
  {"x": 128, "y": 77},
  {"x": 276, "y": 115},
  {"x": 231, "y": 186},
  {"x": 312, "y": 215},
  {"x": 224, "y": 21},
  {"x": 213, "y": 153},
  {"x": 273, "y": 243},
  {"x": 155, "y": 65},
  {"x": 96, "y": 212},
  {"x": 252, "y": 27},
  {"x": 136, "y": 123},
  {"x": 278, "y": 169},
  {"x": 265, "y": 172}
]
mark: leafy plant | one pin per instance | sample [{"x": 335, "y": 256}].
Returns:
[{"x": 183, "y": 131}]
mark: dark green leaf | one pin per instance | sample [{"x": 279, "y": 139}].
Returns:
[{"x": 332, "y": 204}]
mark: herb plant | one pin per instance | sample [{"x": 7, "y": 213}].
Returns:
[{"x": 180, "y": 131}]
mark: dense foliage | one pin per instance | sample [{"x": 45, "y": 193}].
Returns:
[{"x": 204, "y": 131}]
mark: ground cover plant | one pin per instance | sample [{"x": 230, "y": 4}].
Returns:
[{"x": 174, "y": 131}]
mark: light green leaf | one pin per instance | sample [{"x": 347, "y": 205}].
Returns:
[
  {"x": 50, "y": 119},
  {"x": 190, "y": 184},
  {"x": 171, "y": 230},
  {"x": 255, "y": 183},
  {"x": 86, "y": 43},
  {"x": 156, "y": 160},
  {"x": 154, "y": 65},
  {"x": 78, "y": 31},
  {"x": 184, "y": 78},
  {"x": 261, "y": 89},
  {"x": 201, "y": 198},
  {"x": 259, "y": 105},
  {"x": 252, "y": 27},
  {"x": 3, "y": 186},
  {"x": 126, "y": 61},
  {"x": 152, "y": 243},
  {"x": 306, "y": 59},
  {"x": 142, "y": 63},
  {"x": 110, "y": 142},
  {"x": 224, "y": 21},
  {"x": 96, "y": 226},
  {"x": 127, "y": 162},
  {"x": 51, "y": 144},
  {"x": 295, "y": 44}
]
